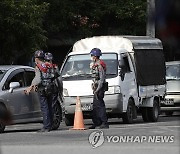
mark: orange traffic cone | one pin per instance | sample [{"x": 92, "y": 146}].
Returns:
[{"x": 78, "y": 117}]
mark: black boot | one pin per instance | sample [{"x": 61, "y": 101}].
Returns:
[
  {"x": 43, "y": 130},
  {"x": 104, "y": 126},
  {"x": 92, "y": 127}
]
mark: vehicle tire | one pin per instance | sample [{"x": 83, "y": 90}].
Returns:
[
  {"x": 144, "y": 112},
  {"x": 3, "y": 113},
  {"x": 169, "y": 113},
  {"x": 69, "y": 120},
  {"x": 153, "y": 112},
  {"x": 57, "y": 118},
  {"x": 2, "y": 127},
  {"x": 128, "y": 115}
]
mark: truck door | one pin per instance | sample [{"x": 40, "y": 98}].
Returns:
[{"x": 127, "y": 79}]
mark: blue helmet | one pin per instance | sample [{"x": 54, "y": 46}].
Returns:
[
  {"x": 48, "y": 56},
  {"x": 39, "y": 54},
  {"x": 96, "y": 52}
]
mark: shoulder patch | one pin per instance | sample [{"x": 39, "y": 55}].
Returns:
[
  {"x": 48, "y": 65},
  {"x": 42, "y": 67},
  {"x": 103, "y": 64}
]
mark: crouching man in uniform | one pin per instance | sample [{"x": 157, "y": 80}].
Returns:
[{"x": 98, "y": 69}]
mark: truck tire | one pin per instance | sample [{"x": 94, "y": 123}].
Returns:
[
  {"x": 128, "y": 115},
  {"x": 2, "y": 127},
  {"x": 144, "y": 112},
  {"x": 57, "y": 118},
  {"x": 153, "y": 112},
  {"x": 69, "y": 120}
]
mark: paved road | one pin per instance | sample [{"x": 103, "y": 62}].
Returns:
[{"x": 161, "y": 137}]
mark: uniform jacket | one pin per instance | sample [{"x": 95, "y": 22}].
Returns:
[{"x": 100, "y": 69}]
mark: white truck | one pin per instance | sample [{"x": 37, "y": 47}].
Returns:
[{"x": 135, "y": 76}]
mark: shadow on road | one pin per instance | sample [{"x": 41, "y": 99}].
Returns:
[
  {"x": 139, "y": 120},
  {"x": 114, "y": 121},
  {"x": 21, "y": 130},
  {"x": 24, "y": 129}
]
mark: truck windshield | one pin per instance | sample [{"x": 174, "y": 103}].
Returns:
[
  {"x": 173, "y": 72},
  {"x": 77, "y": 67}
]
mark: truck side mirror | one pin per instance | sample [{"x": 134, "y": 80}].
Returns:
[
  {"x": 121, "y": 70},
  {"x": 121, "y": 60},
  {"x": 121, "y": 74},
  {"x": 121, "y": 66},
  {"x": 121, "y": 63}
]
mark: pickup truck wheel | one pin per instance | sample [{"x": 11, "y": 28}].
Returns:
[
  {"x": 2, "y": 127},
  {"x": 144, "y": 112},
  {"x": 153, "y": 112},
  {"x": 128, "y": 115},
  {"x": 69, "y": 120}
]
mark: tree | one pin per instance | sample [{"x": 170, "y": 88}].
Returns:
[
  {"x": 26, "y": 25},
  {"x": 83, "y": 18},
  {"x": 21, "y": 31}
]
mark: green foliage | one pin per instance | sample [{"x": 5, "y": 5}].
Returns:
[
  {"x": 21, "y": 29},
  {"x": 25, "y": 25},
  {"x": 83, "y": 18}
]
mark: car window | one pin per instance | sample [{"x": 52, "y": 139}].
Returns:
[
  {"x": 173, "y": 72},
  {"x": 29, "y": 77},
  {"x": 2, "y": 73},
  {"x": 18, "y": 77}
]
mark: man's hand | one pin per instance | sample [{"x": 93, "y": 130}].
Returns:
[{"x": 29, "y": 89}]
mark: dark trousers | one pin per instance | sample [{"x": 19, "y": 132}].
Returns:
[
  {"x": 99, "y": 110},
  {"x": 47, "y": 104}
]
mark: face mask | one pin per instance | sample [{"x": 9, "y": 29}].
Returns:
[
  {"x": 91, "y": 65},
  {"x": 93, "y": 58}
]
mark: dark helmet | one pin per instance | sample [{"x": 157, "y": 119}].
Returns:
[
  {"x": 48, "y": 56},
  {"x": 39, "y": 54},
  {"x": 96, "y": 52}
]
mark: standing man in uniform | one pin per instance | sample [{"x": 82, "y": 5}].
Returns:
[
  {"x": 98, "y": 69},
  {"x": 56, "y": 79},
  {"x": 42, "y": 82}
]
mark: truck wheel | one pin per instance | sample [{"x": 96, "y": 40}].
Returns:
[
  {"x": 169, "y": 113},
  {"x": 69, "y": 120},
  {"x": 144, "y": 112},
  {"x": 153, "y": 112},
  {"x": 57, "y": 116},
  {"x": 2, "y": 128},
  {"x": 128, "y": 116}
]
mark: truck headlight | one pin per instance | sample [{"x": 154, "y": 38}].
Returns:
[
  {"x": 113, "y": 90},
  {"x": 65, "y": 92}
]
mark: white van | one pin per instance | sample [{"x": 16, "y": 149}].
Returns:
[{"x": 135, "y": 76}]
